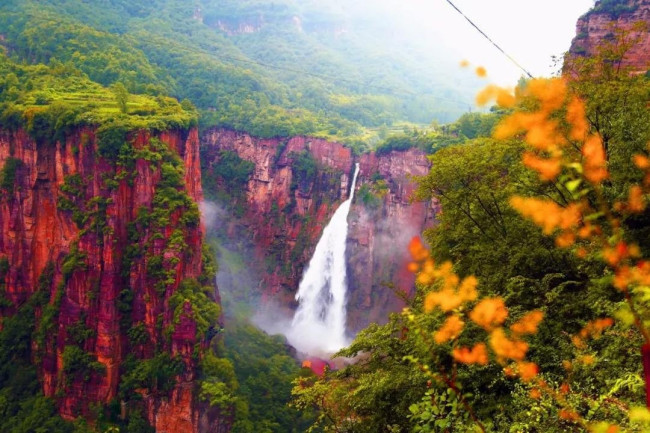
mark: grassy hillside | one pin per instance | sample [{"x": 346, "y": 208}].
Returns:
[{"x": 270, "y": 68}]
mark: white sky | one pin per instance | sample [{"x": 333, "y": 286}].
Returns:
[{"x": 531, "y": 31}]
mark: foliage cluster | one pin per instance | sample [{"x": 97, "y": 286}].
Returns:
[
  {"x": 219, "y": 383},
  {"x": 468, "y": 126},
  {"x": 225, "y": 180},
  {"x": 23, "y": 408},
  {"x": 614, "y": 8},
  {"x": 79, "y": 363},
  {"x": 88, "y": 214},
  {"x": 572, "y": 159},
  {"x": 264, "y": 369},
  {"x": 234, "y": 170},
  {"x": 397, "y": 143},
  {"x": 9, "y": 173},
  {"x": 157, "y": 374},
  {"x": 204, "y": 311},
  {"x": 51, "y": 100},
  {"x": 371, "y": 194},
  {"x": 303, "y": 171}
]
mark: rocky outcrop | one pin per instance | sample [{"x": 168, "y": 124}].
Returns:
[
  {"x": 380, "y": 232},
  {"x": 284, "y": 210},
  {"x": 608, "y": 18},
  {"x": 240, "y": 27},
  {"x": 105, "y": 244}
]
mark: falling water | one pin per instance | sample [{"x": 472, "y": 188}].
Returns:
[{"x": 319, "y": 323}]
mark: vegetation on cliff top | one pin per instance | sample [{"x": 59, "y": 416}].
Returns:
[
  {"x": 49, "y": 101},
  {"x": 614, "y": 8}
]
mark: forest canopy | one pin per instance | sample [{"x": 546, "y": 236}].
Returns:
[{"x": 242, "y": 81}]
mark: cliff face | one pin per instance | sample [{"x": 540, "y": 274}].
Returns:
[
  {"x": 285, "y": 207},
  {"x": 105, "y": 249},
  {"x": 600, "y": 26},
  {"x": 380, "y": 232}
]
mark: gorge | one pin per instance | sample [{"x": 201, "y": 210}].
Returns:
[{"x": 291, "y": 193}]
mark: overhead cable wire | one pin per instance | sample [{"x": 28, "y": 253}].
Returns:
[{"x": 489, "y": 39}]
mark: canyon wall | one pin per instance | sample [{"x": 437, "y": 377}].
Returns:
[
  {"x": 380, "y": 231},
  {"x": 108, "y": 252},
  {"x": 294, "y": 187},
  {"x": 605, "y": 21}
]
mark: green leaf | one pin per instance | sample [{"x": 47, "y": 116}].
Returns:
[
  {"x": 594, "y": 216},
  {"x": 624, "y": 315},
  {"x": 573, "y": 185},
  {"x": 576, "y": 166}
]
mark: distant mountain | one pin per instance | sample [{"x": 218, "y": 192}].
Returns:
[{"x": 271, "y": 68}]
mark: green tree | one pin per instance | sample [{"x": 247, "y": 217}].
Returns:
[{"x": 121, "y": 97}]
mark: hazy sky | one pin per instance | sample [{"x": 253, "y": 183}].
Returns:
[{"x": 531, "y": 31}]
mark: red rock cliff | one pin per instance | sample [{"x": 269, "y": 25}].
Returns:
[
  {"x": 600, "y": 25},
  {"x": 284, "y": 216},
  {"x": 82, "y": 230},
  {"x": 379, "y": 234}
]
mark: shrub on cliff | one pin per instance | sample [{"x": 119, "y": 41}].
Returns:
[
  {"x": 233, "y": 170},
  {"x": 614, "y": 8},
  {"x": 78, "y": 363},
  {"x": 396, "y": 142},
  {"x": 9, "y": 173},
  {"x": 157, "y": 375},
  {"x": 304, "y": 169},
  {"x": 110, "y": 139}
]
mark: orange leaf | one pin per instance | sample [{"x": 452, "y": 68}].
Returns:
[
  {"x": 635, "y": 202},
  {"x": 528, "y": 324},
  {"x": 527, "y": 370},
  {"x": 576, "y": 116},
  {"x": 452, "y": 327},
  {"x": 475, "y": 355},
  {"x": 595, "y": 164},
  {"x": 489, "y": 312},
  {"x": 548, "y": 169},
  {"x": 505, "y": 348}
]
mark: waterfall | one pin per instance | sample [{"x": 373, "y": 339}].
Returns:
[{"x": 318, "y": 325}]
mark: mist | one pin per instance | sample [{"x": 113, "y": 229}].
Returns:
[
  {"x": 530, "y": 31},
  {"x": 211, "y": 215}
]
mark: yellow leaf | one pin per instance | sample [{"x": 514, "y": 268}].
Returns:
[{"x": 639, "y": 414}]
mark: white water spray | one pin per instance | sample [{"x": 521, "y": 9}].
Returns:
[{"x": 318, "y": 327}]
